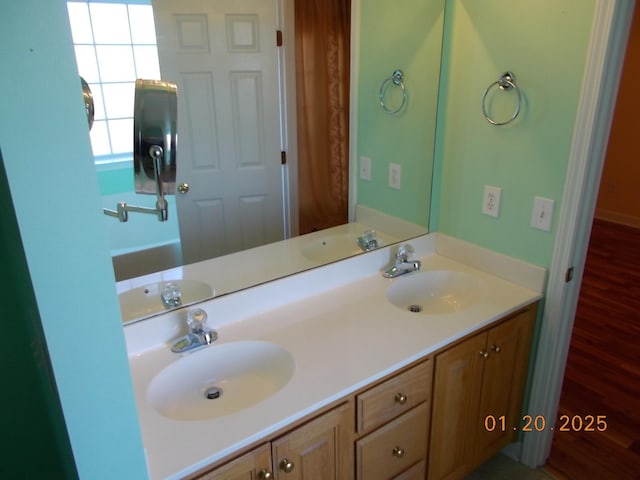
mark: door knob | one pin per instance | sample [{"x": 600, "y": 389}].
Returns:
[{"x": 183, "y": 188}]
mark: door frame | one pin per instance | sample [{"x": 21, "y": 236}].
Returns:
[{"x": 605, "y": 59}]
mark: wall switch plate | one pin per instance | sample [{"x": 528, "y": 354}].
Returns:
[
  {"x": 395, "y": 176},
  {"x": 542, "y": 214},
  {"x": 365, "y": 169},
  {"x": 491, "y": 201}
]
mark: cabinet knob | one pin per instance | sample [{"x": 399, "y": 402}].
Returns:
[
  {"x": 495, "y": 348},
  {"x": 401, "y": 398},
  {"x": 265, "y": 474},
  {"x": 183, "y": 188},
  {"x": 398, "y": 452},
  {"x": 286, "y": 466},
  {"x": 484, "y": 354}
]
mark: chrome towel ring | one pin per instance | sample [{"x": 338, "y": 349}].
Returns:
[
  {"x": 397, "y": 77},
  {"x": 505, "y": 82}
]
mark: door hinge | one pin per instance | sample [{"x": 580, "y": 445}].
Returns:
[
  {"x": 569, "y": 275},
  {"x": 278, "y": 38},
  {"x": 283, "y": 158}
]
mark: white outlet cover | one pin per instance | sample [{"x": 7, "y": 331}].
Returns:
[
  {"x": 491, "y": 201},
  {"x": 365, "y": 168},
  {"x": 395, "y": 176}
]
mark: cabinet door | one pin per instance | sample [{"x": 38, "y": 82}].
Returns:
[
  {"x": 321, "y": 449},
  {"x": 456, "y": 399},
  {"x": 506, "y": 367},
  {"x": 252, "y": 466}
]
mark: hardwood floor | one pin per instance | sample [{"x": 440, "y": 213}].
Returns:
[{"x": 603, "y": 367}]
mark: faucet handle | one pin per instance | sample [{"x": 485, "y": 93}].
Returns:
[
  {"x": 196, "y": 319},
  {"x": 404, "y": 252},
  {"x": 171, "y": 295}
]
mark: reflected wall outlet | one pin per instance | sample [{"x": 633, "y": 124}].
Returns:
[
  {"x": 491, "y": 200},
  {"x": 395, "y": 176},
  {"x": 365, "y": 169},
  {"x": 542, "y": 214}
]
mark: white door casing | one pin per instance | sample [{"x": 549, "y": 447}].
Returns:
[{"x": 223, "y": 56}]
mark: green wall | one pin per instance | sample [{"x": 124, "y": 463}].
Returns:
[
  {"x": 406, "y": 35},
  {"x": 49, "y": 165},
  {"x": 115, "y": 179},
  {"x": 544, "y": 43}
]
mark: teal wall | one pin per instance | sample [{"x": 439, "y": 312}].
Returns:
[
  {"x": 47, "y": 156},
  {"x": 406, "y": 35},
  {"x": 115, "y": 179},
  {"x": 544, "y": 43}
]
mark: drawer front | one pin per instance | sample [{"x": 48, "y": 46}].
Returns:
[
  {"x": 394, "y": 397},
  {"x": 394, "y": 448},
  {"x": 417, "y": 472}
]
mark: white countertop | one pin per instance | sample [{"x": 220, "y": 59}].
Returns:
[{"x": 341, "y": 331}]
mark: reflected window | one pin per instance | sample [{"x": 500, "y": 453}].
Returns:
[{"x": 115, "y": 43}]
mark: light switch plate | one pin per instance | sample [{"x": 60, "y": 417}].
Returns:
[{"x": 542, "y": 214}]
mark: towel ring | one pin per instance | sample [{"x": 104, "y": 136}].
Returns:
[
  {"x": 397, "y": 77},
  {"x": 505, "y": 82}
]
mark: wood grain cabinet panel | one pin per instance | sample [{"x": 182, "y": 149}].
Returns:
[
  {"x": 320, "y": 449},
  {"x": 254, "y": 465},
  {"x": 483, "y": 375},
  {"x": 395, "y": 447},
  {"x": 393, "y": 397}
]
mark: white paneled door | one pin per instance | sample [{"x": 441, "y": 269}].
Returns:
[{"x": 223, "y": 56}]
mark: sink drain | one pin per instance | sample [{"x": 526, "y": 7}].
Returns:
[
  {"x": 213, "y": 393},
  {"x": 415, "y": 308}
]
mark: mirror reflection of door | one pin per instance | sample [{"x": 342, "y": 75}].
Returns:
[{"x": 222, "y": 55}]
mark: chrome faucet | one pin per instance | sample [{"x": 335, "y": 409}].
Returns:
[
  {"x": 198, "y": 335},
  {"x": 171, "y": 295},
  {"x": 368, "y": 241},
  {"x": 402, "y": 263}
]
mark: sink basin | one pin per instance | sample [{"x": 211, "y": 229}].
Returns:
[
  {"x": 220, "y": 379},
  {"x": 143, "y": 301},
  {"x": 436, "y": 292},
  {"x": 331, "y": 247}
]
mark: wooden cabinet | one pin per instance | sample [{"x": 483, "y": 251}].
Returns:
[
  {"x": 255, "y": 465},
  {"x": 394, "y": 418},
  {"x": 483, "y": 375},
  {"x": 319, "y": 449},
  {"x": 397, "y": 429}
]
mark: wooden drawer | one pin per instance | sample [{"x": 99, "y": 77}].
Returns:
[
  {"x": 417, "y": 472},
  {"x": 378, "y": 454},
  {"x": 394, "y": 397}
]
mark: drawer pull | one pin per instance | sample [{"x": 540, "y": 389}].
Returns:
[
  {"x": 398, "y": 452},
  {"x": 265, "y": 474},
  {"x": 401, "y": 398},
  {"x": 286, "y": 466}
]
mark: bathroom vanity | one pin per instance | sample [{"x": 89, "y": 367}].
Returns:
[{"x": 350, "y": 380}]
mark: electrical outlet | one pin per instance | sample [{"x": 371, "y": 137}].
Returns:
[
  {"x": 491, "y": 201},
  {"x": 542, "y": 214},
  {"x": 365, "y": 169},
  {"x": 395, "y": 176}
]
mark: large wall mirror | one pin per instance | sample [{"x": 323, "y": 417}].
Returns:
[{"x": 245, "y": 95}]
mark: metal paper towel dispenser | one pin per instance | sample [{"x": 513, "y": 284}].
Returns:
[{"x": 154, "y": 146}]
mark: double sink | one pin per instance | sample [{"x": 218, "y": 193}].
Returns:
[{"x": 222, "y": 379}]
